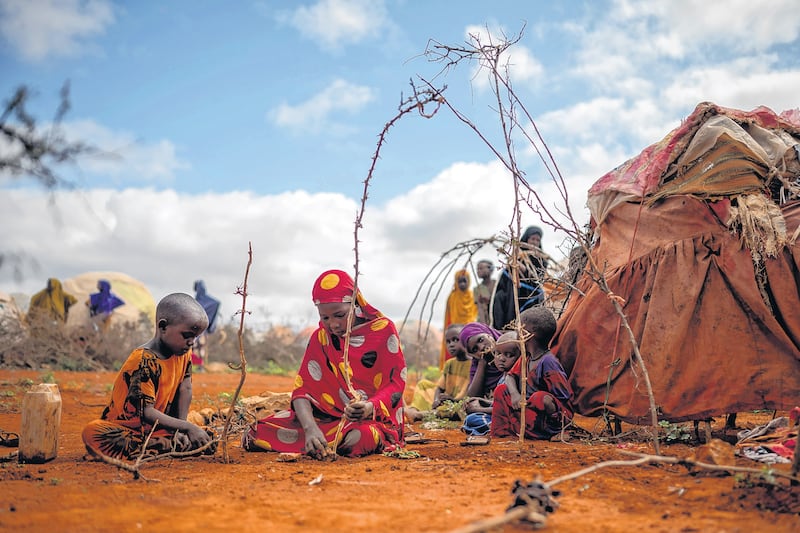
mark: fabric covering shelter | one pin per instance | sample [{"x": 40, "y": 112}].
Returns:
[
  {"x": 134, "y": 293},
  {"x": 698, "y": 236}
]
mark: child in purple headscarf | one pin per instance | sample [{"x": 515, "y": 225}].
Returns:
[
  {"x": 479, "y": 341},
  {"x": 102, "y": 304}
]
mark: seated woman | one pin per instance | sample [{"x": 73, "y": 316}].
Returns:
[{"x": 324, "y": 416}]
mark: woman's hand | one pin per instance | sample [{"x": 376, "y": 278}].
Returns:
[
  {"x": 316, "y": 445},
  {"x": 359, "y": 410}
]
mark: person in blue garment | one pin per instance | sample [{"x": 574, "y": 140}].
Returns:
[
  {"x": 211, "y": 306},
  {"x": 102, "y": 304}
]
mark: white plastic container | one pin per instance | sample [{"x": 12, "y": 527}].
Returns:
[{"x": 41, "y": 423}]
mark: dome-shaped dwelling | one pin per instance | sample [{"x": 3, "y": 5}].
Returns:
[
  {"x": 698, "y": 236},
  {"x": 137, "y": 297}
]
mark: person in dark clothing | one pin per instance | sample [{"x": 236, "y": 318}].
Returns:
[{"x": 532, "y": 270}]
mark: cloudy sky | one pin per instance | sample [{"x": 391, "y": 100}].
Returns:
[{"x": 255, "y": 122}]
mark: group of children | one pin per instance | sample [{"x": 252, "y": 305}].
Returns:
[
  {"x": 485, "y": 372},
  {"x": 151, "y": 395}
]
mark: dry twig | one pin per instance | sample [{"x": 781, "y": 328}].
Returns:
[
  {"x": 242, "y": 291},
  {"x": 509, "y": 108}
]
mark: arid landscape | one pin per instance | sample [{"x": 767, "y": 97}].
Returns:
[{"x": 449, "y": 487}]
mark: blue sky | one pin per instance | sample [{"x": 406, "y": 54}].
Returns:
[{"x": 255, "y": 122}]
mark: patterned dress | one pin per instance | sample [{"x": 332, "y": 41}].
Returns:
[
  {"x": 143, "y": 380},
  {"x": 377, "y": 371}
]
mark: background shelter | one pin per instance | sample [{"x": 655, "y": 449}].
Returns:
[
  {"x": 698, "y": 235},
  {"x": 137, "y": 297}
]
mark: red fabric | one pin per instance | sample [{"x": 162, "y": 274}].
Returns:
[
  {"x": 547, "y": 379},
  {"x": 641, "y": 175},
  {"x": 710, "y": 344},
  {"x": 715, "y": 337},
  {"x": 377, "y": 370}
]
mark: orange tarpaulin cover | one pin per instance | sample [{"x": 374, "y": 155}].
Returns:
[{"x": 716, "y": 336}]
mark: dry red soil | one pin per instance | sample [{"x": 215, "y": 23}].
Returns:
[{"x": 449, "y": 487}]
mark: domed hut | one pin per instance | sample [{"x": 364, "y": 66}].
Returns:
[
  {"x": 137, "y": 297},
  {"x": 698, "y": 236}
]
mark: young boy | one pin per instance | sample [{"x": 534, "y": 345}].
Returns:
[
  {"x": 154, "y": 385},
  {"x": 506, "y": 353},
  {"x": 547, "y": 391},
  {"x": 453, "y": 382}
]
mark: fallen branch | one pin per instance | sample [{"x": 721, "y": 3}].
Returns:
[
  {"x": 532, "y": 511},
  {"x": 134, "y": 468}
]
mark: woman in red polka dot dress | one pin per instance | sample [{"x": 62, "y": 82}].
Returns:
[{"x": 324, "y": 415}]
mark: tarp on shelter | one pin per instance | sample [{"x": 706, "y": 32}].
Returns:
[
  {"x": 698, "y": 235},
  {"x": 134, "y": 293}
]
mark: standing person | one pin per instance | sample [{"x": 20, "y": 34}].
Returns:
[
  {"x": 532, "y": 270},
  {"x": 154, "y": 386},
  {"x": 460, "y": 309},
  {"x": 547, "y": 391},
  {"x": 211, "y": 306},
  {"x": 101, "y": 304},
  {"x": 323, "y": 412},
  {"x": 51, "y": 303},
  {"x": 483, "y": 291}
]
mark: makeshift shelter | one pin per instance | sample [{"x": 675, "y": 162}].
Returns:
[
  {"x": 133, "y": 292},
  {"x": 698, "y": 236}
]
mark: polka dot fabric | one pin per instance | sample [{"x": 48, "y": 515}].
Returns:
[{"x": 377, "y": 372}]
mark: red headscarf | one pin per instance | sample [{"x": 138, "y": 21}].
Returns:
[{"x": 336, "y": 286}]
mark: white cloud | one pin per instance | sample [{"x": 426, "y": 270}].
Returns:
[
  {"x": 124, "y": 158},
  {"x": 640, "y": 38},
  {"x": 167, "y": 239},
  {"x": 743, "y": 84},
  {"x": 42, "y": 28},
  {"x": 334, "y": 24},
  {"x": 739, "y": 25},
  {"x": 318, "y": 112}
]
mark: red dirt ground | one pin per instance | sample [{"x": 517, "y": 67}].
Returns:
[{"x": 450, "y": 487}]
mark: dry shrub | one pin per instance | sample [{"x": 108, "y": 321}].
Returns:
[
  {"x": 274, "y": 350},
  {"x": 43, "y": 343}
]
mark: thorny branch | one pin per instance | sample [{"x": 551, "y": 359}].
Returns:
[
  {"x": 418, "y": 101},
  {"x": 33, "y": 151},
  {"x": 242, "y": 291},
  {"x": 494, "y": 58},
  {"x": 143, "y": 458},
  {"x": 519, "y": 513}
]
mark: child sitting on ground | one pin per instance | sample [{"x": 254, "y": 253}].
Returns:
[
  {"x": 547, "y": 391},
  {"x": 154, "y": 389},
  {"x": 452, "y": 384},
  {"x": 506, "y": 353}
]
